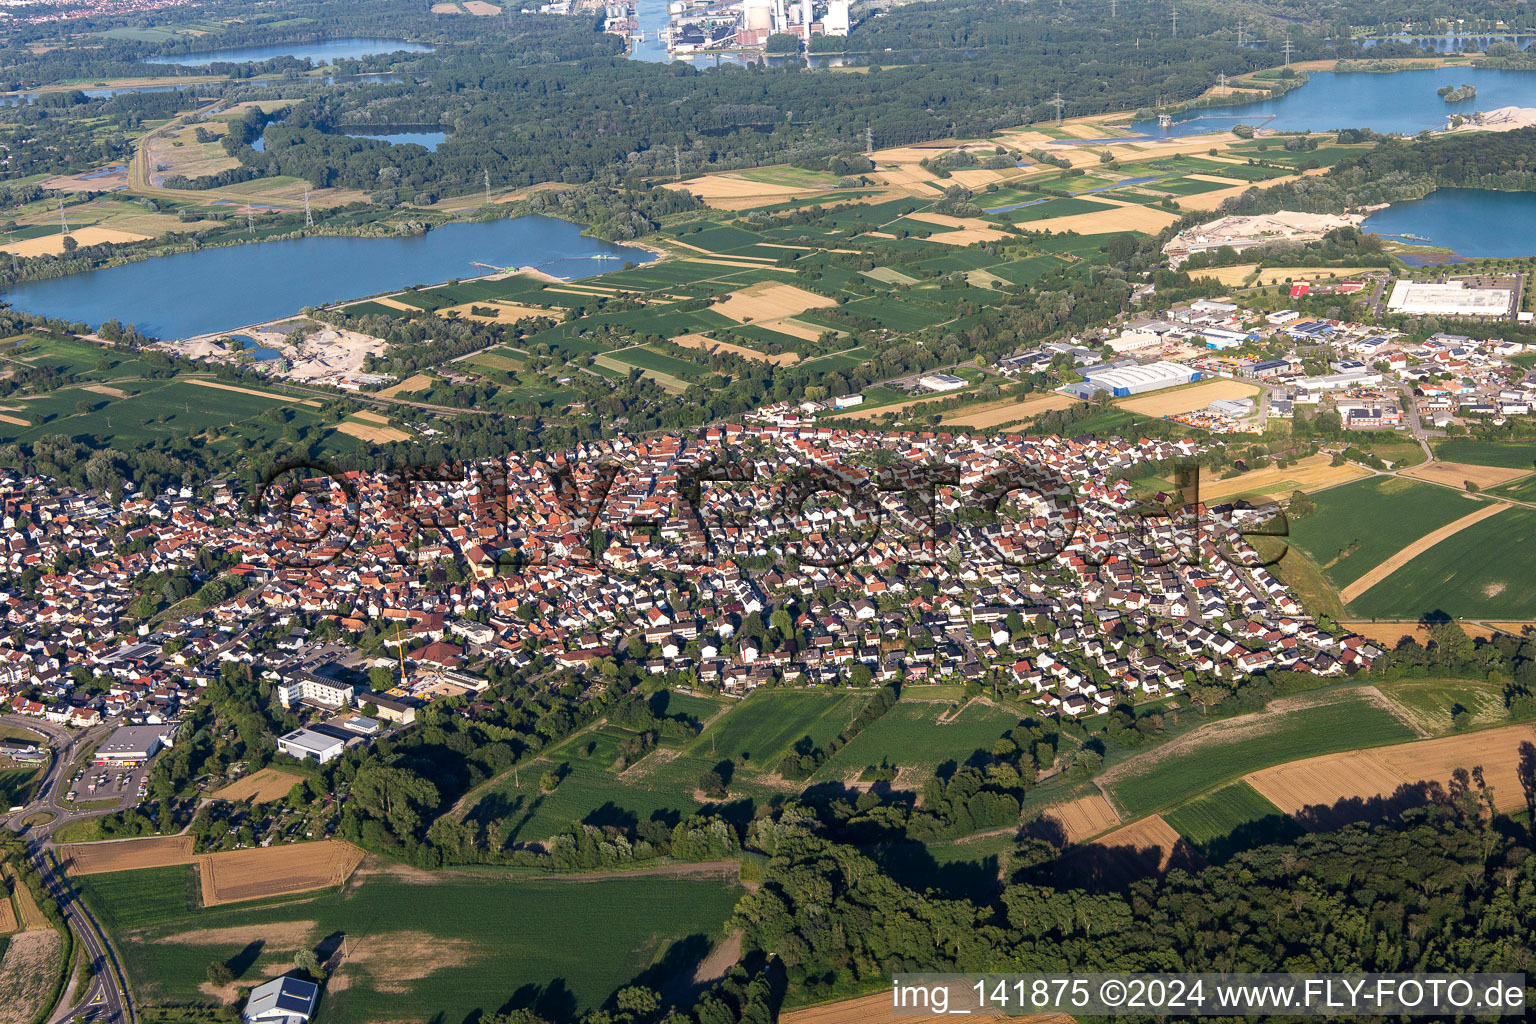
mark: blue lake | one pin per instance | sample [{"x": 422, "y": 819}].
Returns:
[
  {"x": 431, "y": 140},
  {"x": 321, "y": 52},
  {"x": 1470, "y": 221},
  {"x": 1402, "y": 101},
  {"x": 258, "y": 352},
  {"x": 220, "y": 289}
]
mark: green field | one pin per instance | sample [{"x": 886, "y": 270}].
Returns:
[
  {"x": 444, "y": 947},
  {"x": 1429, "y": 702},
  {"x": 1230, "y": 819},
  {"x": 753, "y": 734},
  {"x": 650, "y": 359},
  {"x": 1484, "y": 571},
  {"x": 1359, "y": 525},
  {"x": 1217, "y": 813},
  {"x": 1347, "y": 722},
  {"x": 1510, "y": 455},
  {"x": 909, "y": 736}
]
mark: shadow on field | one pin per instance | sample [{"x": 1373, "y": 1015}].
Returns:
[
  {"x": 552, "y": 1002},
  {"x": 246, "y": 958},
  {"x": 1099, "y": 868},
  {"x": 913, "y": 865},
  {"x": 1327, "y": 817}
]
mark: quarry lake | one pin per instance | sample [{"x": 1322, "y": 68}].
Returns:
[
  {"x": 1399, "y": 101},
  {"x": 321, "y": 52},
  {"x": 225, "y": 288},
  {"x": 1468, "y": 221}
]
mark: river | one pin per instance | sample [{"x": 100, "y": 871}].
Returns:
[
  {"x": 1398, "y": 101},
  {"x": 224, "y": 288},
  {"x": 320, "y": 52}
]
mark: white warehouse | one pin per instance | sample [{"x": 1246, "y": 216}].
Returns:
[
  {"x": 1449, "y": 298},
  {"x": 1121, "y": 381}
]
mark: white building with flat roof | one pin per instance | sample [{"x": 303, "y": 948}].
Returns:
[
  {"x": 942, "y": 382},
  {"x": 1447, "y": 298},
  {"x": 309, "y": 745},
  {"x": 134, "y": 744}
]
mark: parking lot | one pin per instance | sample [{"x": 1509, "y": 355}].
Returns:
[{"x": 93, "y": 783}]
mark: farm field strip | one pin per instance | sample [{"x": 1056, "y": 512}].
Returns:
[
  {"x": 1313, "y": 473},
  {"x": 1224, "y": 751},
  {"x": 1413, "y": 550},
  {"x": 1363, "y": 774},
  {"x": 227, "y": 877}
]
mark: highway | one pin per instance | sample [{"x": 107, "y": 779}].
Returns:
[{"x": 106, "y": 997}]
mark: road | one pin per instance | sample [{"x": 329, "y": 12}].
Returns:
[{"x": 106, "y": 997}]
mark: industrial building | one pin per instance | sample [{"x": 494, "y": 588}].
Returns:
[
  {"x": 1122, "y": 381},
  {"x": 942, "y": 382},
  {"x": 1131, "y": 341},
  {"x": 134, "y": 744},
  {"x": 1448, "y": 298},
  {"x": 1237, "y": 408},
  {"x": 1267, "y": 368}
]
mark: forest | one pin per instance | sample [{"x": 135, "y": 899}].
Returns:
[{"x": 546, "y": 98}]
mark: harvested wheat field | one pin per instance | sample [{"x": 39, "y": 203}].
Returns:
[
  {"x": 239, "y": 875},
  {"x": 251, "y": 391},
  {"x": 1148, "y": 846},
  {"x": 1363, "y": 774},
  {"x": 26, "y": 975},
  {"x": 126, "y": 855},
  {"x": 1390, "y": 634},
  {"x": 794, "y": 328},
  {"x": 1114, "y": 217},
  {"x": 1144, "y": 834},
  {"x": 1188, "y": 399},
  {"x": 370, "y": 417},
  {"x": 415, "y": 382},
  {"x": 878, "y": 1007},
  {"x": 1084, "y": 817},
  {"x": 1313, "y": 473},
  {"x": 8, "y": 922},
  {"x": 373, "y": 433},
  {"x": 729, "y": 192},
  {"x": 14, "y": 420},
  {"x": 396, "y": 304},
  {"x": 32, "y": 916},
  {"x": 969, "y": 236},
  {"x": 480, "y": 8},
  {"x": 1009, "y": 412},
  {"x": 1459, "y": 475},
  {"x": 53, "y": 245},
  {"x": 259, "y": 787},
  {"x": 104, "y": 389},
  {"x": 768, "y": 301},
  {"x": 506, "y": 313},
  {"x": 1278, "y": 275},
  {"x": 1417, "y": 548},
  {"x": 711, "y": 345},
  {"x": 1229, "y": 276}
]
